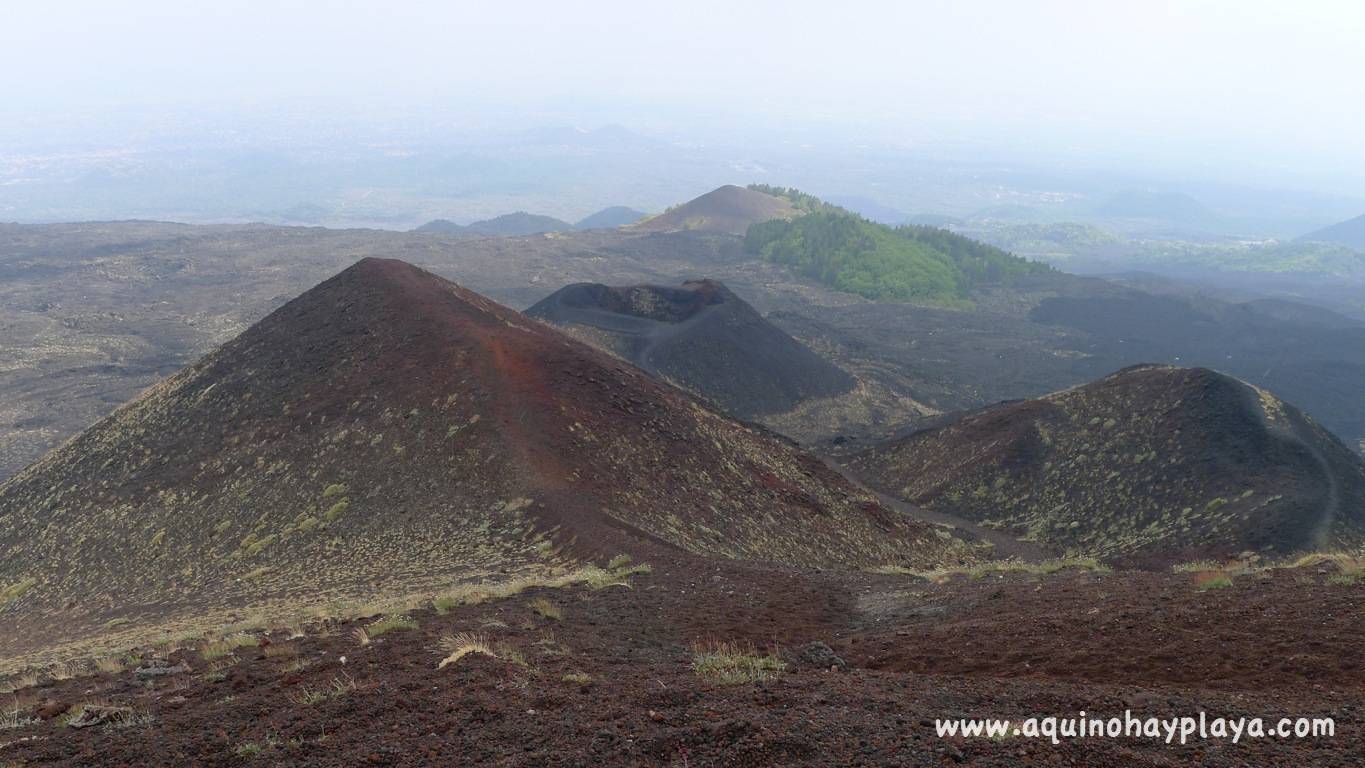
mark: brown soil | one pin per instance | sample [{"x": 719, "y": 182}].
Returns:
[{"x": 1283, "y": 643}]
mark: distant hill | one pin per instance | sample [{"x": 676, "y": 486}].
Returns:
[
  {"x": 390, "y": 430},
  {"x": 506, "y": 225},
  {"x": 610, "y": 218},
  {"x": 519, "y": 223},
  {"x": 849, "y": 253},
  {"x": 727, "y": 210},
  {"x": 703, "y": 338},
  {"x": 1170, "y": 207},
  {"x": 441, "y": 227},
  {"x": 1151, "y": 464},
  {"x": 1349, "y": 233}
]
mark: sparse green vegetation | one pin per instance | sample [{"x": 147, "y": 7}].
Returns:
[
  {"x": 799, "y": 200},
  {"x": 16, "y": 590},
  {"x": 578, "y": 678},
  {"x": 731, "y": 664},
  {"x": 336, "y": 510},
  {"x": 1214, "y": 581},
  {"x": 390, "y": 624},
  {"x": 992, "y": 567},
  {"x": 849, "y": 253}
]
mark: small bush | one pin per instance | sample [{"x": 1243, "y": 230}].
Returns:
[{"x": 578, "y": 678}]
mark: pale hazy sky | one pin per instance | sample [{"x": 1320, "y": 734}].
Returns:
[{"x": 1280, "y": 82}]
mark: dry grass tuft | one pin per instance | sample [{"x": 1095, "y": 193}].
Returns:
[
  {"x": 281, "y": 650},
  {"x": 17, "y": 716},
  {"x": 458, "y": 646},
  {"x": 732, "y": 664},
  {"x": 110, "y": 665},
  {"x": 340, "y": 686},
  {"x": 616, "y": 574},
  {"x": 19, "y": 682},
  {"x": 547, "y": 609},
  {"x": 226, "y": 646},
  {"x": 68, "y": 670}
]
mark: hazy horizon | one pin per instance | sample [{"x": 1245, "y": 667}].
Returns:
[{"x": 1174, "y": 95}]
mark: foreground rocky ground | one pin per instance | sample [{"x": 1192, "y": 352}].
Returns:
[{"x": 612, "y": 676}]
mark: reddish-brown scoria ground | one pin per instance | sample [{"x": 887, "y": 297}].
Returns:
[{"x": 1284, "y": 643}]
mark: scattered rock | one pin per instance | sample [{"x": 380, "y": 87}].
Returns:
[
  {"x": 96, "y": 714},
  {"x": 818, "y": 655},
  {"x": 50, "y": 709}
]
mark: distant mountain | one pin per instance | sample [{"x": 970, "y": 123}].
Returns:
[
  {"x": 701, "y": 337},
  {"x": 391, "y": 430},
  {"x": 1151, "y": 464},
  {"x": 1349, "y": 233},
  {"x": 727, "y": 210},
  {"x": 506, "y": 225},
  {"x": 611, "y": 218}
]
